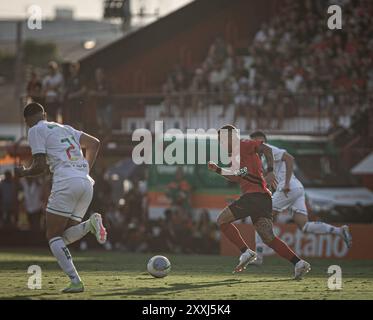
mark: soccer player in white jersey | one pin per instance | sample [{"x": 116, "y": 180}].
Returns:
[
  {"x": 290, "y": 195},
  {"x": 60, "y": 147}
]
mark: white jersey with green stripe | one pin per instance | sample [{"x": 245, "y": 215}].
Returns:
[{"x": 60, "y": 144}]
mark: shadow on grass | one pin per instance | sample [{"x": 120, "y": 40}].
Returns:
[
  {"x": 85, "y": 264},
  {"x": 29, "y": 297},
  {"x": 93, "y": 264},
  {"x": 180, "y": 287}
]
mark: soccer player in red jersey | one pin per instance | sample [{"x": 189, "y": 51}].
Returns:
[{"x": 255, "y": 200}]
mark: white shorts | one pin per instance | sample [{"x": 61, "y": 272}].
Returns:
[
  {"x": 295, "y": 201},
  {"x": 70, "y": 198}
]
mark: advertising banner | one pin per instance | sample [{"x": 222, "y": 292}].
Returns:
[{"x": 309, "y": 245}]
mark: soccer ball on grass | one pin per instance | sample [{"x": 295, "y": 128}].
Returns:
[{"x": 159, "y": 266}]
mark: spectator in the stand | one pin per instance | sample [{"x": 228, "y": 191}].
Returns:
[
  {"x": 179, "y": 191},
  {"x": 166, "y": 234},
  {"x": 101, "y": 92},
  {"x": 34, "y": 89},
  {"x": 169, "y": 93},
  {"x": 114, "y": 222},
  {"x": 33, "y": 201},
  {"x": 242, "y": 105},
  {"x": 8, "y": 200},
  {"x": 219, "y": 51},
  {"x": 74, "y": 95},
  {"x": 261, "y": 36},
  {"x": 185, "y": 232},
  {"x": 198, "y": 90},
  {"x": 293, "y": 82},
  {"x": 134, "y": 203},
  {"x": 370, "y": 78},
  {"x": 206, "y": 233},
  {"x": 52, "y": 88},
  {"x": 102, "y": 191},
  {"x": 178, "y": 227},
  {"x": 217, "y": 78},
  {"x": 280, "y": 105},
  {"x": 179, "y": 78},
  {"x": 136, "y": 237},
  {"x": 263, "y": 106}
]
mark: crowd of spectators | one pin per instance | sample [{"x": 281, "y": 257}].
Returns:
[
  {"x": 175, "y": 232},
  {"x": 26, "y": 195},
  {"x": 8, "y": 200},
  {"x": 23, "y": 202},
  {"x": 293, "y": 63},
  {"x": 293, "y": 66},
  {"x": 63, "y": 95},
  {"x": 178, "y": 230}
]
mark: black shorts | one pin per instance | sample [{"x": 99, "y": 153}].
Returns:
[{"x": 255, "y": 205}]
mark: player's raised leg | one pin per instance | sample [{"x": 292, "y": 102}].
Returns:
[
  {"x": 224, "y": 221},
  {"x": 77, "y": 231},
  {"x": 97, "y": 228},
  {"x": 264, "y": 227},
  {"x": 56, "y": 225},
  {"x": 318, "y": 227},
  {"x": 300, "y": 217}
]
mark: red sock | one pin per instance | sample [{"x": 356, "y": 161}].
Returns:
[
  {"x": 283, "y": 250},
  {"x": 234, "y": 235}
]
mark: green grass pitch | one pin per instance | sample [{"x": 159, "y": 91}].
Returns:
[{"x": 109, "y": 275}]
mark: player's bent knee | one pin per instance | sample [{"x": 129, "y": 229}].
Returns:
[
  {"x": 220, "y": 220},
  {"x": 50, "y": 234},
  {"x": 55, "y": 225},
  {"x": 275, "y": 214},
  {"x": 304, "y": 227},
  {"x": 225, "y": 216},
  {"x": 300, "y": 220},
  {"x": 267, "y": 236}
]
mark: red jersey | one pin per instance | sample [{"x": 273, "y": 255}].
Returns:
[{"x": 253, "y": 181}]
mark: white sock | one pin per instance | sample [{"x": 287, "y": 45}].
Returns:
[
  {"x": 62, "y": 254},
  {"x": 259, "y": 245},
  {"x": 77, "y": 232},
  {"x": 319, "y": 227}
]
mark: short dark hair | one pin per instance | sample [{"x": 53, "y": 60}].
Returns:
[
  {"x": 258, "y": 134},
  {"x": 32, "y": 109}
]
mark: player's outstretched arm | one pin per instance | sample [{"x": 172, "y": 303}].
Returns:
[
  {"x": 289, "y": 164},
  {"x": 270, "y": 176},
  {"x": 212, "y": 166},
  {"x": 38, "y": 166},
  {"x": 91, "y": 146}
]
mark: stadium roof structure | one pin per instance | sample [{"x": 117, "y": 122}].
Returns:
[
  {"x": 365, "y": 166},
  {"x": 179, "y": 19},
  {"x": 147, "y": 54}
]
